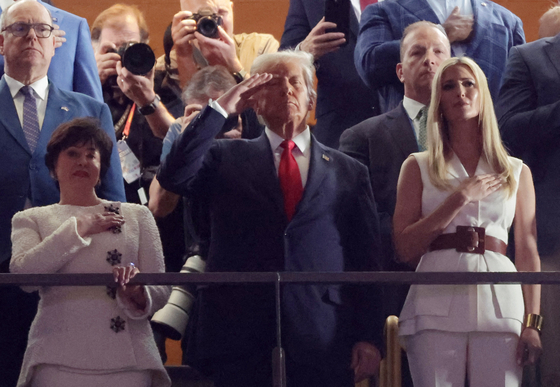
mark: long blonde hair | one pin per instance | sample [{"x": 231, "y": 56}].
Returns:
[{"x": 439, "y": 147}]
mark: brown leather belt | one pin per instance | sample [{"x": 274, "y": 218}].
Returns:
[{"x": 469, "y": 239}]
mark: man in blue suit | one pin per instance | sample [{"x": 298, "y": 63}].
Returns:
[
  {"x": 528, "y": 111},
  {"x": 27, "y": 44},
  {"x": 73, "y": 68},
  {"x": 343, "y": 100},
  {"x": 481, "y": 30},
  {"x": 274, "y": 208}
]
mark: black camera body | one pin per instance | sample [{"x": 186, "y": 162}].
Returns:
[
  {"x": 138, "y": 58},
  {"x": 207, "y": 22}
]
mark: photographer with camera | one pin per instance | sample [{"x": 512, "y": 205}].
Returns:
[
  {"x": 203, "y": 35},
  {"x": 126, "y": 70}
]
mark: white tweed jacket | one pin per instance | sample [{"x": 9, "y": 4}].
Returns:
[{"x": 89, "y": 328}]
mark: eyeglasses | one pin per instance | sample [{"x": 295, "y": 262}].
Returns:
[{"x": 21, "y": 29}]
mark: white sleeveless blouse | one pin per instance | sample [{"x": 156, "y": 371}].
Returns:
[{"x": 466, "y": 308}]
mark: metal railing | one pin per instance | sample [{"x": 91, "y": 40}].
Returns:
[{"x": 279, "y": 278}]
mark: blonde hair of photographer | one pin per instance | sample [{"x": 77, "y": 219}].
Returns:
[{"x": 439, "y": 147}]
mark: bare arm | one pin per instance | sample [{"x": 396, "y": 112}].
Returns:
[
  {"x": 412, "y": 233},
  {"x": 527, "y": 259}
]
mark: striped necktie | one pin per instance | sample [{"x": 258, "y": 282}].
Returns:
[{"x": 30, "y": 118}]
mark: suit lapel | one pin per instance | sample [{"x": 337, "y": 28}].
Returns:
[
  {"x": 261, "y": 167},
  {"x": 421, "y": 9},
  {"x": 482, "y": 12},
  {"x": 318, "y": 167},
  {"x": 552, "y": 49},
  {"x": 57, "y": 112},
  {"x": 354, "y": 24},
  {"x": 9, "y": 117},
  {"x": 402, "y": 131}
]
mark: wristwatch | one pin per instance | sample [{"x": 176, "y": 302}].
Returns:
[
  {"x": 151, "y": 107},
  {"x": 240, "y": 75}
]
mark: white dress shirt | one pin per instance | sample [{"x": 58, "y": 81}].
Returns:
[
  {"x": 443, "y": 8},
  {"x": 412, "y": 109},
  {"x": 301, "y": 152},
  {"x": 40, "y": 90}
]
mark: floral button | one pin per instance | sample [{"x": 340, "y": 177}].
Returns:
[
  {"x": 113, "y": 208},
  {"x": 114, "y": 257},
  {"x": 117, "y": 324},
  {"x": 111, "y": 292}
]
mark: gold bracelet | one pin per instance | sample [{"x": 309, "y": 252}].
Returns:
[{"x": 534, "y": 321}]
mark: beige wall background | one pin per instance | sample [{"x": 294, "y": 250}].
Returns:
[{"x": 265, "y": 16}]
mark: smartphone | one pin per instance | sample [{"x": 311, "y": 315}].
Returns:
[{"x": 338, "y": 12}]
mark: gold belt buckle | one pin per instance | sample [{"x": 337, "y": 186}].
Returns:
[{"x": 471, "y": 239}]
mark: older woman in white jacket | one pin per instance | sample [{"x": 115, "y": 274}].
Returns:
[{"x": 89, "y": 336}]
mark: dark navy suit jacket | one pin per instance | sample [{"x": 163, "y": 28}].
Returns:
[
  {"x": 528, "y": 111},
  {"x": 495, "y": 31},
  {"x": 25, "y": 175},
  {"x": 343, "y": 98},
  {"x": 335, "y": 229},
  {"x": 383, "y": 143},
  {"x": 73, "y": 67}
]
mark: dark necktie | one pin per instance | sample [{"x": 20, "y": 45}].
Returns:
[
  {"x": 30, "y": 118},
  {"x": 422, "y": 130},
  {"x": 290, "y": 179},
  {"x": 365, "y": 3}
]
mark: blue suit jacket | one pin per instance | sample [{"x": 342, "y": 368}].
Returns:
[
  {"x": 25, "y": 175},
  {"x": 335, "y": 229},
  {"x": 495, "y": 31},
  {"x": 528, "y": 111},
  {"x": 73, "y": 66},
  {"x": 343, "y": 98}
]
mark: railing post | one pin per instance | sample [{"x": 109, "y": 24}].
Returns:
[{"x": 278, "y": 358}]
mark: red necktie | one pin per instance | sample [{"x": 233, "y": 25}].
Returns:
[
  {"x": 365, "y": 3},
  {"x": 290, "y": 179}
]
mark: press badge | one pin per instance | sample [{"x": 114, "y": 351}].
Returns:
[{"x": 129, "y": 163}]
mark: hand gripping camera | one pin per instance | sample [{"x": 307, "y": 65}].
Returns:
[
  {"x": 207, "y": 22},
  {"x": 172, "y": 319}
]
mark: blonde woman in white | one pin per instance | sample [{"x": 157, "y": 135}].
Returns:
[{"x": 455, "y": 205}]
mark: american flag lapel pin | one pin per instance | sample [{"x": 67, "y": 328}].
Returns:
[{"x": 326, "y": 158}]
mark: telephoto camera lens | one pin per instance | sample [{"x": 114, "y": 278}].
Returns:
[{"x": 138, "y": 58}]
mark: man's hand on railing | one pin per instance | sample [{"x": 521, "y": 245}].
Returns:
[{"x": 365, "y": 360}]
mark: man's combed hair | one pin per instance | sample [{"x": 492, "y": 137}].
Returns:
[
  {"x": 439, "y": 147},
  {"x": 414, "y": 26},
  {"x": 206, "y": 80},
  {"x": 264, "y": 62},
  {"x": 117, "y": 12}
]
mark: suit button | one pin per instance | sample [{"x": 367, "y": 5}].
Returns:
[{"x": 117, "y": 324}]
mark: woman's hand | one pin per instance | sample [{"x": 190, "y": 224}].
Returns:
[
  {"x": 135, "y": 293},
  {"x": 529, "y": 347},
  {"x": 476, "y": 188},
  {"x": 89, "y": 224}
]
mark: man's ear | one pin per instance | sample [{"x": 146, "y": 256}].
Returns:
[
  {"x": 1, "y": 44},
  {"x": 400, "y": 74}
]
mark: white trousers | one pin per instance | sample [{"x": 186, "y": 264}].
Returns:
[
  {"x": 53, "y": 376},
  {"x": 444, "y": 359}
]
